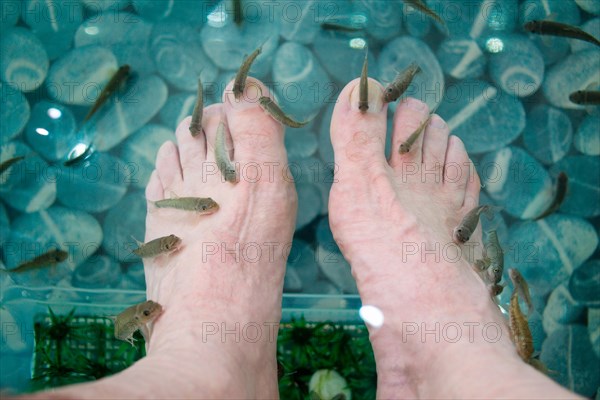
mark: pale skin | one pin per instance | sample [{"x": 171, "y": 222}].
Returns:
[{"x": 376, "y": 207}]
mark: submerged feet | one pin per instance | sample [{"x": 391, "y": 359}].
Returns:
[{"x": 393, "y": 221}]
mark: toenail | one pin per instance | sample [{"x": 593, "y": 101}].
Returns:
[
  {"x": 375, "y": 97},
  {"x": 415, "y": 104},
  {"x": 437, "y": 122},
  {"x": 248, "y": 99}
]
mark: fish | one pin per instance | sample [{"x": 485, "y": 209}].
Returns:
[
  {"x": 585, "y": 97},
  {"x": 551, "y": 28},
  {"x": 496, "y": 256},
  {"x": 49, "y": 258},
  {"x": 519, "y": 329},
  {"x": 562, "y": 183},
  {"x": 119, "y": 77},
  {"x": 134, "y": 318},
  {"x": 196, "y": 123},
  {"x": 407, "y": 145},
  {"x": 161, "y": 245},
  {"x": 419, "y": 5},
  {"x": 239, "y": 84},
  {"x": 401, "y": 82},
  {"x": 222, "y": 156},
  {"x": 363, "y": 95},
  {"x": 201, "y": 205},
  {"x": 9, "y": 163},
  {"x": 521, "y": 287},
  {"x": 274, "y": 111},
  {"x": 462, "y": 233},
  {"x": 238, "y": 16},
  {"x": 332, "y": 26}
]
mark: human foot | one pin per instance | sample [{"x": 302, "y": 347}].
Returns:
[
  {"x": 221, "y": 291},
  {"x": 393, "y": 221}
]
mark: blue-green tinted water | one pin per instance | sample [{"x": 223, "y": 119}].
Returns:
[{"x": 504, "y": 92}]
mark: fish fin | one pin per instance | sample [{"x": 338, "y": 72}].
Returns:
[
  {"x": 491, "y": 210},
  {"x": 145, "y": 332},
  {"x": 137, "y": 241}
]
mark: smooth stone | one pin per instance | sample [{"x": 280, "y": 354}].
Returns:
[
  {"x": 584, "y": 284},
  {"x": 56, "y": 16},
  {"x": 309, "y": 204},
  {"x": 417, "y": 24},
  {"x": 537, "y": 330},
  {"x": 119, "y": 119},
  {"x": 561, "y": 310},
  {"x": 214, "y": 91},
  {"x": 97, "y": 272},
  {"x": 176, "y": 108},
  {"x": 559, "y": 243},
  {"x": 134, "y": 277},
  {"x": 125, "y": 34},
  {"x": 592, "y": 27},
  {"x": 300, "y": 143},
  {"x": 73, "y": 231},
  {"x": 516, "y": 182},
  {"x": 303, "y": 85},
  {"x": 331, "y": 261},
  {"x": 177, "y": 52},
  {"x": 587, "y": 138},
  {"x": 518, "y": 67},
  {"x": 583, "y": 193},
  {"x": 95, "y": 184},
  {"x": 325, "y": 147},
  {"x": 322, "y": 287},
  {"x": 484, "y": 117},
  {"x": 103, "y": 5},
  {"x": 29, "y": 185},
  {"x": 190, "y": 11},
  {"x": 24, "y": 62},
  {"x": 569, "y": 353},
  {"x": 306, "y": 170},
  {"x": 346, "y": 51},
  {"x": 594, "y": 329},
  {"x": 81, "y": 85},
  {"x": 301, "y": 264},
  {"x": 461, "y": 58},
  {"x": 140, "y": 149},
  {"x": 384, "y": 18},
  {"x": 299, "y": 24},
  {"x": 576, "y": 72},
  {"x": 14, "y": 113},
  {"x": 10, "y": 10},
  {"x": 590, "y": 6},
  {"x": 4, "y": 224},
  {"x": 334, "y": 266},
  {"x": 291, "y": 281},
  {"x": 396, "y": 55},
  {"x": 51, "y": 130},
  {"x": 123, "y": 223},
  {"x": 13, "y": 339},
  {"x": 227, "y": 45},
  {"x": 548, "y": 133}
]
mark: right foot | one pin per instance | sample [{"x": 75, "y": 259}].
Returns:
[{"x": 393, "y": 222}]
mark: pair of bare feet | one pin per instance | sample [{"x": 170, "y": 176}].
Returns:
[{"x": 442, "y": 336}]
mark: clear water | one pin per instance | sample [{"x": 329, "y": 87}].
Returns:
[{"x": 502, "y": 91}]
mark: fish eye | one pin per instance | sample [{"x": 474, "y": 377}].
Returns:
[
  {"x": 204, "y": 208},
  {"x": 146, "y": 312}
]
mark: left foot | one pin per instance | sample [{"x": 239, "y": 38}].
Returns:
[{"x": 221, "y": 291}]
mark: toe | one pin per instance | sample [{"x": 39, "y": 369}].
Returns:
[
  {"x": 456, "y": 171},
  {"x": 256, "y": 136},
  {"x": 358, "y": 138},
  {"x": 154, "y": 190},
  {"x": 192, "y": 150},
  {"x": 409, "y": 116},
  {"x": 435, "y": 141},
  {"x": 168, "y": 167}
]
